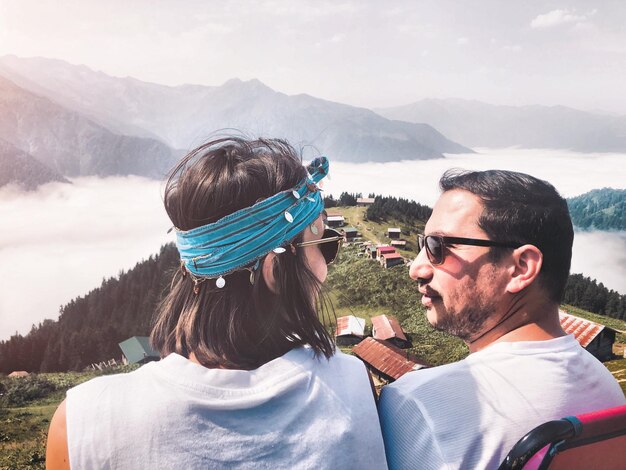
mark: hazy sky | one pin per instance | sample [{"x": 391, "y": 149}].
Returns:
[
  {"x": 64, "y": 239},
  {"x": 570, "y": 52}
]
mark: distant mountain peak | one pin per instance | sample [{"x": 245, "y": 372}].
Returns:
[
  {"x": 252, "y": 84},
  {"x": 184, "y": 116}
]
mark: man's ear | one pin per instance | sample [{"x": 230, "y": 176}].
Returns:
[
  {"x": 527, "y": 261},
  {"x": 267, "y": 269}
]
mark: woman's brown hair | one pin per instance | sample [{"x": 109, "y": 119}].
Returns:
[{"x": 244, "y": 324}]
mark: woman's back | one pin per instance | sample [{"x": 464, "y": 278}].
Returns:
[
  {"x": 250, "y": 377},
  {"x": 296, "y": 411}
]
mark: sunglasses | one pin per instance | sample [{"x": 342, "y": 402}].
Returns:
[
  {"x": 329, "y": 244},
  {"x": 437, "y": 245}
]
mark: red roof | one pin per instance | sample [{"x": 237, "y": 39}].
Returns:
[
  {"x": 583, "y": 330},
  {"x": 384, "y": 327},
  {"x": 386, "y": 249},
  {"x": 350, "y": 325},
  {"x": 391, "y": 255},
  {"x": 386, "y": 358}
]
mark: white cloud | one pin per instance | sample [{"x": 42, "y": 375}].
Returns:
[
  {"x": 606, "y": 265},
  {"x": 556, "y": 18},
  {"x": 64, "y": 239},
  {"x": 462, "y": 41},
  {"x": 512, "y": 48}
]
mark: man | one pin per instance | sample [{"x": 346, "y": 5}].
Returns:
[{"x": 492, "y": 270}]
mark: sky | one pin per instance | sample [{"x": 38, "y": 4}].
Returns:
[
  {"x": 358, "y": 52},
  {"x": 64, "y": 239}
]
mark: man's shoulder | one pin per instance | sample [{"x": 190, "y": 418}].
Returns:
[{"x": 439, "y": 376}]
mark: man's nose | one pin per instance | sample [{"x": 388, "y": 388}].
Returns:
[{"x": 420, "y": 267}]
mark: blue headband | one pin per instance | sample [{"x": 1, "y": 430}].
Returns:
[{"x": 239, "y": 239}]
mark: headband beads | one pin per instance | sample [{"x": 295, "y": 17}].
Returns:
[{"x": 239, "y": 239}]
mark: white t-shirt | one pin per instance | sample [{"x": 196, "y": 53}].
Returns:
[
  {"x": 293, "y": 412},
  {"x": 469, "y": 414}
]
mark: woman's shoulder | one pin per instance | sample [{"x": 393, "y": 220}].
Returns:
[
  {"x": 112, "y": 382},
  {"x": 339, "y": 366}
]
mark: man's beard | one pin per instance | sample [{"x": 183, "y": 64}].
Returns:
[{"x": 467, "y": 323}]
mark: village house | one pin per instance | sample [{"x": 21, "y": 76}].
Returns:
[
  {"x": 335, "y": 220},
  {"x": 364, "y": 201},
  {"x": 398, "y": 243},
  {"x": 137, "y": 350},
  {"x": 350, "y": 234},
  {"x": 384, "y": 249},
  {"x": 389, "y": 260},
  {"x": 594, "y": 337},
  {"x": 350, "y": 330},
  {"x": 387, "y": 328},
  {"x": 394, "y": 233},
  {"x": 385, "y": 361},
  {"x": 19, "y": 373}
]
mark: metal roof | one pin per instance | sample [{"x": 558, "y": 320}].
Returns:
[
  {"x": 19, "y": 373},
  {"x": 350, "y": 325},
  {"x": 583, "y": 330},
  {"x": 350, "y": 229},
  {"x": 386, "y": 358},
  {"x": 334, "y": 217},
  {"x": 137, "y": 349},
  {"x": 387, "y": 327},
  {"x": 386, "y": 249},
  {"x": 394, "y": 230},
  {"x": 365, "y": 200},
  {"x": 391, "y": 255}
]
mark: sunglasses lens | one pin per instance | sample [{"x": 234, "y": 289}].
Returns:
[
  {"x": 331, "y": 249},
  {"x": 434, "y": 249}
]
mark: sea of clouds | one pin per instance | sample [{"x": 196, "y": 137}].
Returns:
[{"x": 60, "y": 241}]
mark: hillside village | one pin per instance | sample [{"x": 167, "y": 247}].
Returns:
[
  {"x": 377, "y": 317},
  {"x": 382, "y": 344}
]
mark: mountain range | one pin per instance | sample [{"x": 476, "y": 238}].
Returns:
[
  {"x": 478, "y": 124},
  {"x": 23, "y": 169},
  {"x": 56, "y": 142},
  {"x": 76, "y": 122},
  {"x": 142, "y": 115}
]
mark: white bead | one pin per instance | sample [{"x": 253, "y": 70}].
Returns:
[
  {"x": 279, "y": 250},
  {"x": 296, "y": 194},
  {"x": 289, "y": 217},
  {"x": 221, "y": 282}
]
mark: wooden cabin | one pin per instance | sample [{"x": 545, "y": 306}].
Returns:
[
  {"x": 387, "y": 328},
  {"x": 350, "y": 330},
  {"x": 594, "y": 337}
]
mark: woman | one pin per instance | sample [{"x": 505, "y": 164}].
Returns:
[{"x": 249, "y": 376}]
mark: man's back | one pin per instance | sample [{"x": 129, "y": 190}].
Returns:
[{"x": 470, "y": 413}]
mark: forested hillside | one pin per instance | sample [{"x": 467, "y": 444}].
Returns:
[
  {"x": 600, "y": 209},
  {"x": 90, "y": 327}
]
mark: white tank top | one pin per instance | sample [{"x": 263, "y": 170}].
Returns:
[{"x": 293, "y": 412}]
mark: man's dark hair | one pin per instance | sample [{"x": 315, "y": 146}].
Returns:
[
  {"x": 242, "y": 325},
  {"x": 522, "y": 209}
]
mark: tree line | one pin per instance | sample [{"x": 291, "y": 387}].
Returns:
[
  {"x": 90, "y": 327},
  {"x": 584, "y": 292},
  {"x": 600, "y": 209},
  {"x": 404, "y": 210}
]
